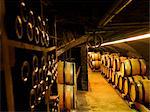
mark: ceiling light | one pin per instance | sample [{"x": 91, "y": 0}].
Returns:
[{"x": 127, "y": 39}]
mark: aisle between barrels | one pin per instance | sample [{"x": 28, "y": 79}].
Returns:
[{"x": 101, "y": 97}]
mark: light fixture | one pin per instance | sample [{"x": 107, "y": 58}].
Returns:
[{"x": 128, "y": 39}]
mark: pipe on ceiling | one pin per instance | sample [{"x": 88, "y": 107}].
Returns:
[{"x": 117, "y": 8}]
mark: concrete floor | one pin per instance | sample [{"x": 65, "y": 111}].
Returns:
[{"x": 101, "y": 97}]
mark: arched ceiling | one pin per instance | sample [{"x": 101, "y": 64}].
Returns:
[{"x": 138, "y": 48}]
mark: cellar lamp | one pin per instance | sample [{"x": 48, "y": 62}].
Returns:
[{"x": 127, "y": 40}]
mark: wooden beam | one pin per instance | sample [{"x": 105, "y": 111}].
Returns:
[
  {"x": 7, "y": 73},
  {"x": 72, "y": 44},
  {"x": 6, "y": 64},
  {"x": 22, "y": 45},
  {"x": 107, "y": 28}
]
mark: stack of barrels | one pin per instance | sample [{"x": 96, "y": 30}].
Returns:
[
  {"x": 133, "y": 82},
  {"x": 110, "y": 63},
  {"x": 128, "y": 75},
  {"x": 67, "y": 85},
  {"x": 94, "y": 60}
]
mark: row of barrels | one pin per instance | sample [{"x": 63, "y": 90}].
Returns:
[
  {"x": 135, "y": 88},
  {"x": 94, "y": 60},
  {"x": 128, "y": 75},
  {"x": 40, "y": 79},
  {"x": 127, "y": 67},
  {"x": 67, "y": 86}
]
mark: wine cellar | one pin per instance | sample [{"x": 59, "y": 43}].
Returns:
[{"x": 75, "y": 56}]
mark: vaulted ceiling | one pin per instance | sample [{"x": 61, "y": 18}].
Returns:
[{"x": 84, "y": 16}]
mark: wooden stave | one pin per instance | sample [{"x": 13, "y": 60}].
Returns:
[
  {"x": 110, "y": 74},
  {"x": 116, "y": 79},
  {"x": 116, "y": 64},
  {"x": 120, "y": 83},
  {"x": 66, "y": 72},
  {"x": 113, "y": 77},
  {"x": 117, "y": 75},
  {"x": 60, "y": 70},
  {"x": 69, "y": 73}
]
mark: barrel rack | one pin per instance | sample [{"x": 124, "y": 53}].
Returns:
[
  {"x": 6, "y": 46},
  {"x": 135, "y": 106}
]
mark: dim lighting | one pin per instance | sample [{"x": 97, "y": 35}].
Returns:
[
  {"x": 46, "y": 78},
  {"x": 32, "y": 106},
  {"x": 25, "y": 79},
  {"x": 35, "y": 86},
  {"x": 127, "y": 40},
  {"x": 39, "y": 98},
  {"x": 43, "y": 93}
]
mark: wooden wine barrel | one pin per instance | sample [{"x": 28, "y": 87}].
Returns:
[
  {"x": 61, "y": 92},
  {"x": 96, "y": 56},
  {"x": 36, "y": 35},
  {"x": 120, "y": 83},
  {"x": 110, "y": 61},
  {"x": 127, "y": 81},
  {"x": 103, "y": 60},
  {"x": 96, "y": 64},
  {"x": 115, "y": 54},
  {"x": 113, "y": 77},
  {"x": 90, "y": 53},
  {"x": 101, "y": 68},
  {"x": 146, "y": 86},
  {"x": 35, "y": 63},
  {"x": 70, "y": 73},
  {"x": 60, "y": 70},
  {"x": 107, "y": 72},
  {"x": 110, "y": 74},
  {"x": 139, "y": 91},
  {"x": 117, "y": 62},
  {"x": 117, "y": 75},
  {"x": 32, "y": 99},
  {"x": 122, "y": 59},
  {"x": 70, "y": 97},
  {"x": 67, "y": 96},
  {"x": 132, "y": 67}
]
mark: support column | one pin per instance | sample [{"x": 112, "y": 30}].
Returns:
[{"x": 84, "y": 71}]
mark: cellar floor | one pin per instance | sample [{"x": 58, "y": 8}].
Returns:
[{"x": 101, "y": 96}]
